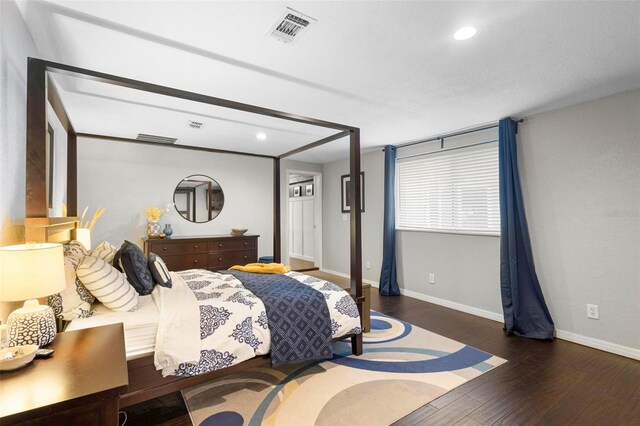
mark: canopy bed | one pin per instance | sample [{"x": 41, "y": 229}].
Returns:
[{"x": 145, "y": 382}]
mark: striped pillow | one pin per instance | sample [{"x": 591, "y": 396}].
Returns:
[
  {"x": 159, "y": 270},
  {"x": 105, "y": 251},
  {"x": 107, "y": 284},
  {"x": 75, "y": 300}
]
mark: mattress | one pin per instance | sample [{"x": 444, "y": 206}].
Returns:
[{"x": 140, "y": 326}]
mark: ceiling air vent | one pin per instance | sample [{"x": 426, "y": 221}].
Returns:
[
  {"x": 291, "y": 25},
  {"x": 194, "y": 124},
  {"x": 156, "y": 139}
]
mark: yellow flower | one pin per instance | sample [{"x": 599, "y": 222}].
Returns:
[{"x": 153, "y": 213}]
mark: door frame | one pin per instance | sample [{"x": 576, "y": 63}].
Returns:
[{"x": 317, "y": 217}]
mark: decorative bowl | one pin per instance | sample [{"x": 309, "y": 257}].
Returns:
[
  {"x": 16, "y": 356},
  {"x": 237, "y": 231}
]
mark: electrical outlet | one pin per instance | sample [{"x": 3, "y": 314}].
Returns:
[
  {"x": 593, "y": 311},
  {"x": 368, "y": 265},
  {"x": 432, "y": 278}
]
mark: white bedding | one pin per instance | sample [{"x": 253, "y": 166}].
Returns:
[
  {"x": 140, "y": 326},
  {"x": 177, "y": 342}
]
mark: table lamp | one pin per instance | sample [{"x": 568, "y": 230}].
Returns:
[{"x": 29, "y": 271}]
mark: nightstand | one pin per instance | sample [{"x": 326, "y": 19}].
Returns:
[{"x": 79, "y": 385}]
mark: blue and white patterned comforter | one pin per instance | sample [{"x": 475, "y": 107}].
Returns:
[{"x": 230, "y": 322}]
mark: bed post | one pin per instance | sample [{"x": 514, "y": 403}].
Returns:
[
  {"x": 276, "y": 211},
  {"x": 36, "y": 179},
  {"x": 356, "y": 242}
]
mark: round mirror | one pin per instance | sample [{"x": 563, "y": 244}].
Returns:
[{"x": 198, "y": 198}]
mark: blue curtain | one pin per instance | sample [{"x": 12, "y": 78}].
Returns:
[
  {"x": 388, "y": 275},
  {"x": 525, "y": 311}
]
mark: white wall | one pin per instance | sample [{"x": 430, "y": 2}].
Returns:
[
  {"x": 126, "y": 178},
  {"x": 580, "y": 172},
  {"x": 16, "y": 45}
]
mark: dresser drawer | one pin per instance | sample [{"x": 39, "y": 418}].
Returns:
[
  {"x": 185, "y": 261},
  {"x": 232, "y": 244},
  {"x": 162, "y": 248},
  {"x": 226, "y": 259}
]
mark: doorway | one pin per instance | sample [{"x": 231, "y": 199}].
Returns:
[{"x": 304, "y": 220}]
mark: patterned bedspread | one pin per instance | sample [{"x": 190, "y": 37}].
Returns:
[
  {"x": 297, "y": 314},
  {"x": 234, "y": 325}
]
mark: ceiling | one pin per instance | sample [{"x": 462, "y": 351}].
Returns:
[{"x": 391, "y": 68}]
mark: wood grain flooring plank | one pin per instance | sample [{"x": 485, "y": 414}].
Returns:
[
  {"x": 417, "y": 416},
  {"x": 452, "y": 413},
  {"x": 467, "y": 421}
]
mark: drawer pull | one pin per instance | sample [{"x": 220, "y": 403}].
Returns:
[
  {"x": 164, "y": 248},
  {"x": 195, "y": 246},
  {"x": 219, "y": 245},
  {"x": 195, "y": 261},
  {"x": 219, "y": 258},
  {"x": 244, "y": 244},
  {"x": 245, "y": 257}
]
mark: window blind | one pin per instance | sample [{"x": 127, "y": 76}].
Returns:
[{"x": 454, "y": 191}]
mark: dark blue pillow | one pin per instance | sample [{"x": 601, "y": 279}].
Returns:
[
  {"x": 159, "y": 271},
  {"x": 131, "y": 260}
]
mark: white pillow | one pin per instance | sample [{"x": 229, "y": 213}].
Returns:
[
  {"x": 105, "y": 251},
  {"x": 107, "y": 284},
  {"x": 75, "y": 300}
]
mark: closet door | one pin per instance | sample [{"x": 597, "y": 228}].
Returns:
[
  {"x": 307, "y": 228},
  {"x": 296, "y": 228}
]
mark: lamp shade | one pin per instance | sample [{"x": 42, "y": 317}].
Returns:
[{"x": 29, "y": 271}]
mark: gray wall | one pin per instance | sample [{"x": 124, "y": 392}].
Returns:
[
  {"x": 335, "y": 224},
  {"x": 581, "y": 179},
  {"x": 126, "y": 178},
  {"x": 580, "y": 172},
  {"x": 16, "y": 45}
]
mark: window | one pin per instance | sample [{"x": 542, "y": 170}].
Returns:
[{"x": 453, "y": 191}]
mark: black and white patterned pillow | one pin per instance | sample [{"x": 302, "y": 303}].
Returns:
[
  {"x": 159, "y": 271},
  {"x": 75, "y": 300},
  {"x": 75, "y": 249},
  {"x": 131, "y": 260}
]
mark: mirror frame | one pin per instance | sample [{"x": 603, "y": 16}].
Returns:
[{"x": 191, "y": 198}]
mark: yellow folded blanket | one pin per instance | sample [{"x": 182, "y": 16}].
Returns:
[{"x": 263, "y": 268}]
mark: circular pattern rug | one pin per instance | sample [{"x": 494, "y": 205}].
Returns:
[{"x": 403, "y": 368}]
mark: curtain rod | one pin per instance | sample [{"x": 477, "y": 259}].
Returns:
[
  {"x": 448, "y": 149},
  {"x": 441, "y": 138}
]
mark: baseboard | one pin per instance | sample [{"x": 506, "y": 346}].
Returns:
[
  {"x": 301, "y": 257},
  {"x": 454, "y": 305},
  {"x": 580, "y": 339},
  {"x": 343, "y": 275},
  {"x": 603, "y": 345}
]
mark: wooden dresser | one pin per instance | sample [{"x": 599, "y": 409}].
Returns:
[{"x": 213, "y": 252}]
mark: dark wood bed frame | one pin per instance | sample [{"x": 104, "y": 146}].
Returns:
[{"x": 145, "y": 382}]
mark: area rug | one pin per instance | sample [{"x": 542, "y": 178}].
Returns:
[{"x": 403, "y": 368}]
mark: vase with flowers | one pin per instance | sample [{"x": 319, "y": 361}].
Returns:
[{"x": 153, "y": 215}]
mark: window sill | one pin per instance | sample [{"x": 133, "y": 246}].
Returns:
[{"x": 435, "y": 231}]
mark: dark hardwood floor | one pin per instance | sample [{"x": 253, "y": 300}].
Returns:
[
  {"x": 546, "y": 383},
  {"x": 301, "y": 265}
]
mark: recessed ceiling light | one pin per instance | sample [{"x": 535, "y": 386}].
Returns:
[
  {"x": 261, "y": 136},
  {"x": 465, "y": 33}
]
